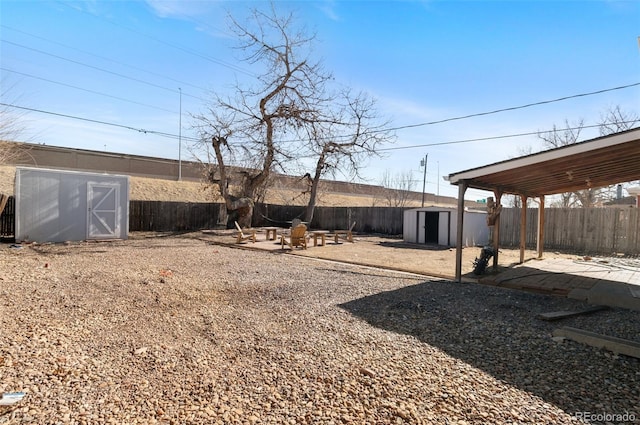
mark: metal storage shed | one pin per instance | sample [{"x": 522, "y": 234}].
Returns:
[
  {"x": 59, "y": 205},
  {"x": 438, "y": 225}
]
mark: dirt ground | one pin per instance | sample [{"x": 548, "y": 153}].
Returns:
[
  {"x": 178, "y": 329},
  {"x": 388, "y": 252}
]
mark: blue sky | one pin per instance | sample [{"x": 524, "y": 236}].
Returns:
[{"x": 123, "y": 62}]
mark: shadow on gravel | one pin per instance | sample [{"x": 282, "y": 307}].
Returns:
[
  {"x": 496, "y": 330},
  {"x": 407, "y": 245}
]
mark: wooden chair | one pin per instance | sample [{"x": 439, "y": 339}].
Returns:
[
  {"x": 297, "y": 238},
  {"x": 344, "y": 234},
  {"x": 245, "y": 237}
]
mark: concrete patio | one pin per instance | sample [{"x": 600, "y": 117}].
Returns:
[{"x": 611, "y": 281}]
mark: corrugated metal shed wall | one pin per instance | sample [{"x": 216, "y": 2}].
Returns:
[
  {"x": 58, "y": 206},
  {"x": 476, "y": 232}
]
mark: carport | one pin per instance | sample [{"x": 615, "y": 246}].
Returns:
[{"x": 593, "y": 163}]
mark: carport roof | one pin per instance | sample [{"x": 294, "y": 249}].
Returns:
[{"x": 593, "y": 163}]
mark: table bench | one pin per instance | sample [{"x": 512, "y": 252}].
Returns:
[
  {"x": 271, "y": 233},
  {"x": 322, "y": 234}
]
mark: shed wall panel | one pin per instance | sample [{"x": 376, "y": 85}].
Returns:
[
  {"x": 51, "y": 205},
  {"x": 476, "y": 232}
]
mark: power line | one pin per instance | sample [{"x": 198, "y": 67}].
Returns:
[
  {"x": 481, "y": 139},
  {"x": 513, "y": 108},
  {"x": 389, "y": 129},
  {"x": 126, "y": 127},
  {"x": 175, "y": 46},
  {"x": 87, "y": 90},
  {"x": 184, "y": 83},
  {"x": 194, "y": 139},
  {"x": 117, "y": 74},
  {"x": 233, "y": 67}
]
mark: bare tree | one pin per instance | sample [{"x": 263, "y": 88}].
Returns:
[
  {"x": 613, "y": 120},
  {"x": 348, "y": 132},
  {"x": 12, "y": 125},
  {"x": 250, "y": 128},
  {"x": 558, "y": 138},
  {"x": 566, "y": 136},
  {"x": 290, "y": 118},
  {"x": 397, "y": 188}
]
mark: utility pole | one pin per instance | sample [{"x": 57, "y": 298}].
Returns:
[
  {"x": 423, "y": 163},
  {"x": 180, "y": 139},
  {"x": 438, "y": 185}
]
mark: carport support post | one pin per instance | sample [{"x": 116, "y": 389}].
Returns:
[
  {"x": 540, "y": 242},
  {"x": 496, "y": 230},
  {"x": 462, "y": 188},
  {"x": 523, "y": 227}
]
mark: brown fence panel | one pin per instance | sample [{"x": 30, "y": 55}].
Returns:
[
  {"x": 172, "y": 216},
  {"x": 337, "y": 218},
  {"x": 588, "y": 230},
  {"x": 8, "y": 220},
  {"x": 368, "y": 219},
  {"x": 627, "y": 231},
  {"x": 385, "y": 220},
  {"x": 276, "y": 215}
]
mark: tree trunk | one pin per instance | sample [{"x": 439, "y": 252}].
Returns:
[
  {"x": 242, "y": 206},
  {"x": 311, "y": 206},
  {"x": 313, "y": 194}
]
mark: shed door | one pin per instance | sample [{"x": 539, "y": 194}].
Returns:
[
  {"x": 103, "y": 206},
  {"x": 431, "y": 227},
  {"x": 427, "y": 227}
]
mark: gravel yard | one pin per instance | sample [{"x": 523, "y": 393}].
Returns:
[{"x": 178, "y": 330}]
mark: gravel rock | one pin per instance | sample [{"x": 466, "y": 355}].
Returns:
[{"x": 173, "y": 330}]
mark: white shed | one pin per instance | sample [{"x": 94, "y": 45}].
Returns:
[
  {"x": 57, "y": 205},
  {"x": 438, "y": 226}
]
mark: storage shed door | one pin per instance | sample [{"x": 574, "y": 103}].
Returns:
[{"x": 103, "y": 206}]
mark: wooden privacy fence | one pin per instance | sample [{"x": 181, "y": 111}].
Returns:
[
  {"x": 588, "y": 230},
  {"x": 8, "y": 219},
  {"x": 383, "y": 220},
  {"x": 163, "y": 216}
]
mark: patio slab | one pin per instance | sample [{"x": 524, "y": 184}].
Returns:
[{"x": 601, "y": 281}]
